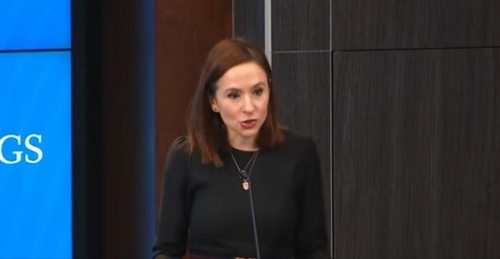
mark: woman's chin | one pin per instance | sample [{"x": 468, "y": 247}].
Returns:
[{"x": 249, "y": 133}]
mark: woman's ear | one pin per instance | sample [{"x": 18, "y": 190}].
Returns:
[{"x": 213, "y": 104}]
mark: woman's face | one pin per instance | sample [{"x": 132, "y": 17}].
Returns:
[{"x": 242, "y": 98}]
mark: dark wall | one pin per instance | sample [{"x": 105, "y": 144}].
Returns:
[
  {"x": 416, "y": 150},
  {"x": 416, "y": 116},
  {"x": 301, "y": 60},
  {"x": 402, "y": 99},
  {"x": 393, "y": 24}
]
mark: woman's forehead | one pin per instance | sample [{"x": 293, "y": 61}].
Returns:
[{"x": 243, "y": 75}]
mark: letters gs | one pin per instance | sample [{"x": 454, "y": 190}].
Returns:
[{"x": 30, "y": 142}]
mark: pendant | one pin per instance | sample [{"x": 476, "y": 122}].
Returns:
[
  {"x": 245, "y": 185},
  {"x": 244, "y": 175}
]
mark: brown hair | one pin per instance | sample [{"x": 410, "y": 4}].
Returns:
[{"x": 206, "y": 130}]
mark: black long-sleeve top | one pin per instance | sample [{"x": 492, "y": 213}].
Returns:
[{"x": 206, "y": 209}]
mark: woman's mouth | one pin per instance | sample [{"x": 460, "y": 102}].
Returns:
[{"x": 248, "y": 124}]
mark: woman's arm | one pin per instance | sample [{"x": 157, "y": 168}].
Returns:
[
  {"x": 173, "y": 219},
  {"x": 311, "y": 235}
]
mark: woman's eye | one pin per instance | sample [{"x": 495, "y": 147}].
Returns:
[
  {"x": 258, "y": 92},
  {"x": 233, "y": 95}
]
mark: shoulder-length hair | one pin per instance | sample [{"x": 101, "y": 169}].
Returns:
[{"x": 206, "y": 130}]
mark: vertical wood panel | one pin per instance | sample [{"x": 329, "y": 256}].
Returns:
[
  {"x": 184, "y": 33},
  {"x": 395, "y": 24},
  {"x": 416, "y": 149},
  {"x": 300, "y": 25},
  {"x": 302, "y": 83},
  {"x": 248, "y": 20}
]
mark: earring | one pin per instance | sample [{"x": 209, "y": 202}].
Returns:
[{"x": 215, "y": 110}]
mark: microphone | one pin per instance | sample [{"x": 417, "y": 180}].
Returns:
[{"x": 246, "y": 178}]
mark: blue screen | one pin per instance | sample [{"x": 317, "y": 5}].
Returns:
[
  {"x": 35, "y": 24},
  {"x": 35, "y": 155}
]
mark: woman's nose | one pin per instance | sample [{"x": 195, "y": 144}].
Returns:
[{"x": 248, "y": 105}]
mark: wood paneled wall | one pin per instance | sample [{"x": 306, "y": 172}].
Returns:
[
  {"x": 184, "y": 33},
  {"x": 402, "y": 99},
  {"x": 394, "y": 24},
  {"x": 301, "y": 60},
  {"x": 416, "y": 122},
  {"x": 416, "y": 152}
]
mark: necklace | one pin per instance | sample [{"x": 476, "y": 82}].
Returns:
[{"x": 245, "y": 179}]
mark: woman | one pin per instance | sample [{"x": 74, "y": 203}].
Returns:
[{"x": 238, "y": 178}]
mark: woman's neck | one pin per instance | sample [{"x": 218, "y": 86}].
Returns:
[{"x": 243, "y": 144}]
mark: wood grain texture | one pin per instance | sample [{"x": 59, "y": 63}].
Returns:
[
  {"x": 184, "y": 33},
  {"x": 300, "y": 25},
  {"x": 416, "y": 148},
  {"x": 303, "y": 92},
  {"x": 395, "y": 24},
  {"x": 248, "y": 20}
]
